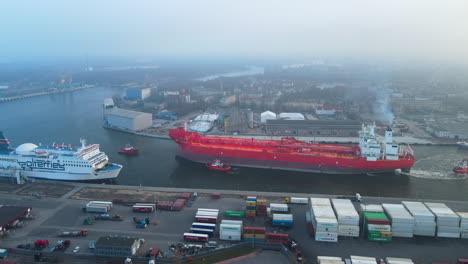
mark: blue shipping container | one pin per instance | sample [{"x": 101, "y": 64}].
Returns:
[
  {"x": 251, "y": 208},
  {"x": 282, "y": 223},
  {"x": 204, "y": 226},
  {"x": 209, "y": 232}
]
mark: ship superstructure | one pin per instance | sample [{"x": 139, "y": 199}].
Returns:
[
  {"x": 370, "y": 156},
  {"x": 58, "y": 162}
]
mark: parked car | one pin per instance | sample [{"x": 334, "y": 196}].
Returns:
[
  {"x": 92, "y": 245},
  {"x": 77, "y": 248}
]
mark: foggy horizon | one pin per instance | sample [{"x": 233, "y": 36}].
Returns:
[{"x": 263, "y": 29}]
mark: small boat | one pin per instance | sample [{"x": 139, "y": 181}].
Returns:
[
  {"x": 462, "y": 144},
  {"x": 218, "y": 166},
  {"x": 462, "y": 167},
  {"x": 128, "y": 150}
]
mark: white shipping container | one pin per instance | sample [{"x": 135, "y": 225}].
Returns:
[
  {"x": 229, "y": 227},
  {"x": 402, "y": 234},
  {"x": 375, "y": 208},
  {"x": 448, "y": 235},
  {"x": 279, "y": 207},
  {"x": 230, "y": 237},
  {"x": 297, "y": 200},
  {"x": 398, "y": 260},
  {"x": 424, "y": 232},
  {"x": 444, "y": 214},
  {"x": 361, "y": 259},
  {"x": 464, "y": 235},
  {"x": 288, "y": 217},
  {"x": 348, "y": 234},
  {"x": 208, "y": 210},
  {"x": 425, "y": 223},
  {"x": 231, "y": 222},
  {"x": 348, "y": 228},
  {"x": 331, "y": 262},
  {"x": 398, "y": 213},
  {"x": 320, "y": 258},
  {"x": 448, "y": 229}
]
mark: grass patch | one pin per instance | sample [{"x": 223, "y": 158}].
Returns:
[{"x": 233, "y": 253}]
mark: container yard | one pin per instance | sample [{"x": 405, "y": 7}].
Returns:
[{"x": 332, "y": 224}]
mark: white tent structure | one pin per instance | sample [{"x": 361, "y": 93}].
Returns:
[{"x": 267, "y": 115}]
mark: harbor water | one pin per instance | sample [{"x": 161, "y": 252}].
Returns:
[{"x": 65, "y": 118}]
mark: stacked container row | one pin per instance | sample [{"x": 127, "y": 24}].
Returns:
[
  {"x": 424, "y": 219},
  {"x": 277, "y": 238},
  {"x": 448, "y": 222},
  {"x": 323, "y": 220},
  {"x": 98, "y": 207},
  {"x": 402, "y": 221},
  {"x": 348, "y": 217},
  {"x": 230, "y": 230},
  {"x": 285, "y": 220},
  {"x": 144, "y": 207},
  {"x": 255, "y": 234},
  {"x": 250, "y": 207},
  {"x": 207, "y": 215},
  {"x": 377, "y": 227},
  {"x": 463, "y": 224},
  {"x": 261, "y": 207}
]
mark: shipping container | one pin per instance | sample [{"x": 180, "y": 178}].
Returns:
[
  {"x": 208, "y": 210},
  {"x": 223, "y": 227},
  {"x": 206, "y": 219},
  {"x": 279, "y": 207},
  {"x": 230, "y": 237},
  {"x": 251, "y": 198},
  {"x": 195, "y": 237},
  {"x": 235, "y": 213},
  {"x": 262, "y": 202},
  {"x": 251, "y": 203},
  {"x": 214, "y": 214},
  {"x": 254, "y": 230},
  {"x": 296, "y": 200},
  {"x": 204, "y": 225},
  {"x": 231, "y": 222},
  {"x": 209, "y": 232},
  {"x": 97, "y": 208},
  {"x": 143, "y": 208}
]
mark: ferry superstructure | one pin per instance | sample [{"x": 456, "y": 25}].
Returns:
[
  {"x": 370, "y": 156},
  {"x": 58, "y": 162}
]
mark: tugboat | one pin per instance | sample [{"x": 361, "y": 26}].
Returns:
[
  {"x": 129, "y": 150},
  {"x": 462, "y": 167},
  {"x": 218, "y": 166}
]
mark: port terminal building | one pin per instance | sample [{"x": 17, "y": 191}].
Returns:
[
  {"x": 119, "y": 246},
  {"x": 127, "y": 119},
  {"x": 313, "y": 128}
]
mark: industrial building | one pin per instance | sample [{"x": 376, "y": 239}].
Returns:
[
  {"x": 313, "y": 128},
  {"x": 11, "y": 214},
  {"x": 127, "y": 119},
  {"x": 120, "y": 246},
  {"x": 227, "y": 101},
  {"x": 137, "y": 93},
  {"x": 291, "y": 116},
  {"x": 450, "y": 131}
]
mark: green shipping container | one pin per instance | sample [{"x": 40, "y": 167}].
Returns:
[
  {"x": 375, "y": 215},
  {"x": 380, "y": 239},
  {"x": 235, "y": 213}
]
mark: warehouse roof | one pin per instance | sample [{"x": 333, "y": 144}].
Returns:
[
  {"x": 9, "y": 214},
  {"x": 315, "y": 123},
  {"x": 120, "y": 241},
  {"x": 125, "y": 112}
]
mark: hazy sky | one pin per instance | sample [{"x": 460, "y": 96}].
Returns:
[{"x": 393, "y": 28}]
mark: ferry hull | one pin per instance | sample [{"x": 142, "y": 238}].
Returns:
[
  {"x": 106, "y": 174},
  {"x": 282, "y": 165}
]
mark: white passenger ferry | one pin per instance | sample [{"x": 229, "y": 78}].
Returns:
[{"x": 58, "y": 162}]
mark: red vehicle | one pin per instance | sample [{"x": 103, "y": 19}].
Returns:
[
  {"x": 129, "y": 150},
  {"x": 143, "y": 208},
  {"x": 461, "y": 168},
  {"x": 41, "y": 243},
  {"x": 195, "y": 237},
  {"x": 217, "y": 165}
]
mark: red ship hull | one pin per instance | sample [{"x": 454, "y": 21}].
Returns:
[{"x": 286, "y": 154}]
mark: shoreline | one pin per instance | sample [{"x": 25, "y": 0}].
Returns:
[{"x": 324, "y": 140}]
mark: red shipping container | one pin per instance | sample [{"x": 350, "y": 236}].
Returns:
[
  {"x": 277, "y": 241},
  {"x": 378, "y": 221},
  {"x": 277, "y": 236},
  {"x": 216, "y": 195},
  {"x": 254, "y": 230},
  {"x": 185, "y": 195}
]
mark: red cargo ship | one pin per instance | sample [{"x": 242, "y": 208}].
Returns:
[{"x": 370, "y": 156}]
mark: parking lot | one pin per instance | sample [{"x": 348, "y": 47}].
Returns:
[{"x": 53, "y": 215}]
